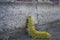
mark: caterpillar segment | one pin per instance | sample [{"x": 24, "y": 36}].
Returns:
[{"x": 33, "y": 32}]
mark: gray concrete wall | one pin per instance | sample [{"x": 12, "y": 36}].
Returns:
[{"x": 14, "y": 15}]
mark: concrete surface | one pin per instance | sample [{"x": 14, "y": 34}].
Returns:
[{"x": 13, "y": 16}]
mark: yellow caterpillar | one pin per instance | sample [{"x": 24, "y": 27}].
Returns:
[{"x": 33, "y": 32}]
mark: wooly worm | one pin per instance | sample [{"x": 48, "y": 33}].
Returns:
[{"x": 33, "y": 32}]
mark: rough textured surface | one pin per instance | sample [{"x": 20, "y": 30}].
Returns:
[
  {"x": 13, "y": 16},
  {"x": 52, "y": 27}
]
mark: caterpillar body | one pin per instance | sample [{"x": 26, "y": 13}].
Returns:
[{"x": 33, "y": 32}]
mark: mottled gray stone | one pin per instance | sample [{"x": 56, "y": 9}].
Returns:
[{"x": 13, "y": 16}]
